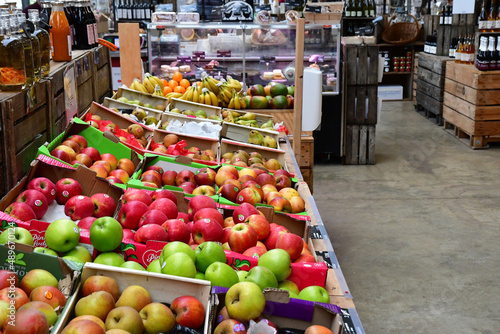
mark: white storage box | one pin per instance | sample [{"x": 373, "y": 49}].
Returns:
[{"x": 390, "y": 92}]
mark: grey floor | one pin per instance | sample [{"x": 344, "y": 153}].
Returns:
[{"x": 418, "y": 234}]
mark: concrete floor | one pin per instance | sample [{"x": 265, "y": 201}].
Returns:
[{"x": 417, "y": 235}]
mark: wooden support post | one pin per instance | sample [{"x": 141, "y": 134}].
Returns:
[
  {"x": 299, "y": 81},
  {"x": 130, "y": 52}
]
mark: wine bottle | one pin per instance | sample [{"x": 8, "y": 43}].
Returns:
[
  {"x": 483, "y": 17},
  {"x": 453, "y": 47},
  {"x": 492, "y": 15},
  {"x": 458, "y": 51},
  {"x": 359, "y": 8},
  {"x": 366, "y": 8},
  {"x": 482, "y": 62},
  {"x": 497, "y": 59},
  {"x": 492, "y": 53},
  {"x": 347, "y": 8}
]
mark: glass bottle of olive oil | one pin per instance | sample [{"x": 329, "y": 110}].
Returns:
[
  {"x": 35, "y": 45},
  {"x": 28, "y": 51},
  {"x": 44, "y": 39},
  {"x": 12, "y": 71}
]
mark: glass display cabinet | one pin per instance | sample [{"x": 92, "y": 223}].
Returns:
[{"x": 250, "y": 53}]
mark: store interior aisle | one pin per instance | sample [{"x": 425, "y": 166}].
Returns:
[{"x": 417, "y": 235}]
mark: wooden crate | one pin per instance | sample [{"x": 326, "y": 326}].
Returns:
[
  {"x": 306, "y": 150},
  {"x": 359, "y": 145},
  {"x": 360, "y": 105},
  {"x": 472, "y": 104},
  {"x": 307, "y": 176},
  {"x": 461, "y": 24},
  {"x": 361, "y": 64}
]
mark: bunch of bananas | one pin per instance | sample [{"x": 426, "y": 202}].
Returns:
[
  {"x": 158, "y": 91},
  {"x": 210, "y": 83},
  {"x": 201, "y": 95},
  {"x": 236, "y": 102},
  {"x": 136, "y": 85},
  {"x": 148, "y": 86},
  {"x": 174, "y": 95}
]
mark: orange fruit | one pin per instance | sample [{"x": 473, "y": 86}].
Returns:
[
  {"x": 172, "y": 84},
  {"x": 164, "y": 82},
  {"x": 177, "y": 76},
  {"x": 185, "y": 83},
  {"x": 180, "y": 89},
  {"x": 167, "y": 89}
]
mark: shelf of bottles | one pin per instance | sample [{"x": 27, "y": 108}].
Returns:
[
  {"x": 358, "y": 15},
  {"x": 129, "y": 10}
]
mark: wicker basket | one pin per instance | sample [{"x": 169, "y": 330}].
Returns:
[{"x": 401, "y": 33}]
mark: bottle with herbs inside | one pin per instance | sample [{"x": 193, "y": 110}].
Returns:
[
  {"x": 28, "y": 50},
  {"x": 12, "y": 70}
]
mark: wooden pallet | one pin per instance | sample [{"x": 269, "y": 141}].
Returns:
[
  {"x": 359, "y": 144},
  {"x": 473, "y": 141},
  {"x": 430, "y": 115}
]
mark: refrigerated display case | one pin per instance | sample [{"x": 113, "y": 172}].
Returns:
[{"x": 250, "y": 53}]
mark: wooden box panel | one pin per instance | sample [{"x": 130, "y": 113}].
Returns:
[
  {"x": 85, "y": 95},
  {"x": 472, "y": 127},
  {"x": 361, "y": 104},
  {"x": 359, "y": 144},
  {"x": 429, "y": 103},
  {"x": 479, "y": 113},
  {"x": 307, "y": 175},
  {"x": 102, "y": 82},
  {"x": 475, "y": 96},
  {"x": 28, "y": 154},
  {"x": 470, "y": 76},
  {"x": 83, "y": 68},
  {"x": 57, "y": 80},
  {"x": 430, "y": 90},
  {"x": 430, "y": 77},
  {"x": 101, "y": 56},
  {"x": 306, "y": 151},
  {"x": 435, "y": 64},
  {"x": 29, "y": 127},
  {"x": 362, "y": 64}
]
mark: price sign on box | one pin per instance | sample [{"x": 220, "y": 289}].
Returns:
[
  {"x": 223, "y": 53},
  {"x": 198, "y": 55}
]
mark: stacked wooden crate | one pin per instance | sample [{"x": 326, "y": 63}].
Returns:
[
  {"x": 360, "y": 103},
  {"x": 415, "y": 79},
  {"x": 430, "y": 86},
  {"x": 472, "y": 104}
]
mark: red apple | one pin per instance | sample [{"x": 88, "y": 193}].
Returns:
[
  {"x": 150, "y": 232},
  {"x": 184, "y": 176},
  {"x": 282, "y": 181},
  {"x": 79, "y": 207},
  {"x": 241, "y": 212},
  {"x": 271, "y": 239},
  {"x": 177, "y": 230},
  {"x": 8, "y": 278},
  {"x": 265, "y": 178},
  {"x": 72, "y": 154},
  {"x": 254, "y": 185},
  {"x": 45, "y": 186},
  {"x": 132, "y": 194},
  {"x": 101, "y": 283},
  {"x": 223, "y": 175},
  {"x": 153, "y": 172},
  {"x": 209, "y": 213},
  {"x": 21, "y": 211},
  {"x": 205, "y": 176},
  {"x": 248, "y": 195},
  {"x": 92, "y": 152},
  {"x": 100, "y": 170},
  {"x": 152, "y": 217},
  {"x": 61, "y": 155},
  {"x": 104, "y": 205},
  {"x": 130, "y": 214},
  {"x": 187, "y": 187},
  {"x": 156, "y": 168},
  {"x": 260, "y": 225},
  {"x": 298, "y": 204},
  {"x": 80, "y": 140},
  {"x": 229, "y": 222},
  {"x": 189, "y": 311},
  {"x": 128, "y": 234},
  {"x": 242, "y": 237},
  {"x": 104, "y": 164},
  {"x": 150, "y": 185},
  {"x": 247, "y": 171},
  {"x": 183, "y": 216},
  {"x": 281, "y": 172},
  {"x": 291, "y": 243},
  {"x": 73, "y": 145},
  {"x": 164, "y": 193},
  {"x": 127, "y": 165},
  {"x": 15, "y": 296},
  {"x": 271, "y": 195},
  {"x": 229, "y": 191},
  {"x": 225, "y": 237},
  {"x": 168, "y": 178},
  {"x": 86, "y": 223},
  {"x": 204, "y": 190},
  {"x": 304, "y": 258},
  {"x": 121, "y": 175},
  {"x": 281, "y": 204},
  {"x": 199, "y": 202},
  {"x": 230, "y": 169},
  {"x": 267, "y": 188},
  {"x": 246, "y": 178},
  {"x": 50, "y": 295},
  {"x": 166, "y": 206},
  {"x": 84, "y": 159},
  {"x": 254, "y": 252},
  {"x": 151, "y": 178},
  {"x": 111, "y": 159},
  {"x": 36, "y": 200},
  {"x": 114, "y": 180},
  {"x": 230, "y": 326},
  {"x": 206, "y": 230}
]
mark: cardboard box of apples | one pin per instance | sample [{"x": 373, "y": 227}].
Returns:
[
  {"x": 112, "y": 299},
  {"x": 35, "y": 290},
  {"x": 102, "y": 152},
  {"x": 231, "y": 152},
  {"x": 50, "y": 193}
]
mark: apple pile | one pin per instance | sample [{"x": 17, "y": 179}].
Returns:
[
  {"x": 75, "y": 150},
  {"x": 253, "y": 159},
  {"x": 33, "y": 305},
  {"x": 254, "y": 185},
  {"x": 103, "y": 309},
  {"x": 170, "y": 145},
  {"x": 245, "y": 301},
  {"x": 133, "y": 135}
]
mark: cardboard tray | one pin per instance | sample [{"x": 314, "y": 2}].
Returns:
[
  {"x": 91, "y": 184},
  {"x": 122, "y": 107},
  {"x": 187, "y": 105},
  {"x": 67, "y": 272},
  {"x": 162, "y": 288},
  {"x": 241, "y": 133},
  {"x": 131, "y": 94},
  {"x": 227, "y": 145},
  {"x": 287, "y": 312}
]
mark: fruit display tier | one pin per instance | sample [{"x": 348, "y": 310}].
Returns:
[{"x": 28, "y": 124}]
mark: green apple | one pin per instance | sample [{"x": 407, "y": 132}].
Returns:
[
  {"x": 179, "y": 264},
  {"x": 154, "y": 266},
  {"x": 4, "y": 311},
  {"x": 106, "y": 234},
  {"x": 245, "y": 301},
  {"x": 62, "y": 235},
  {"x": 293, "y": 295},
  {"x": 242, "y": 274},
  {"x": 208, "y": 253},
  {"x": 221, "y": 274},
  {"x": 133, "y": 265},
  {"x": 200, "y": 275},
  {"x": 315, "y": 293},
  {"x": 289, "y": 286},
  {"x": 110, "y": 259},
  {"x": 44, "y": 250},
  {"x": 278, "y": 260},
  {"x": 20, "y": 235},
  {"x": 176, "y": 247},
  {"x": 81, "y": 253},
  {"x": 263, "y": 277}
]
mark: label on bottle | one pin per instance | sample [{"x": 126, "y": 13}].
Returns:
[
  {"x": 348, "y": 13},
  {"x": 96, "y": 35},
  {"x": 441, "y": 20},
  {"x": 148, "y": 14},
  {"x": 482, "y": 25},
  {"x": 451, "y": 53},
  {"x": 497, "y": 25},
  {"x": 359, "y": 13},
  {"x": 69, "y": 46},
  {"x": 482, "y": 65},
  {"x": 367, "y": 12},
  {"x": 372, "y": 12},
  {"x": 90, "y": 34},
  {"x": 426, "y": 48}
]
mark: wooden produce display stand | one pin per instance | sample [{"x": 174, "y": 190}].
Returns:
[
  {"x": 471, "y": 109},
  {"x": 32, "y": 117}
]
